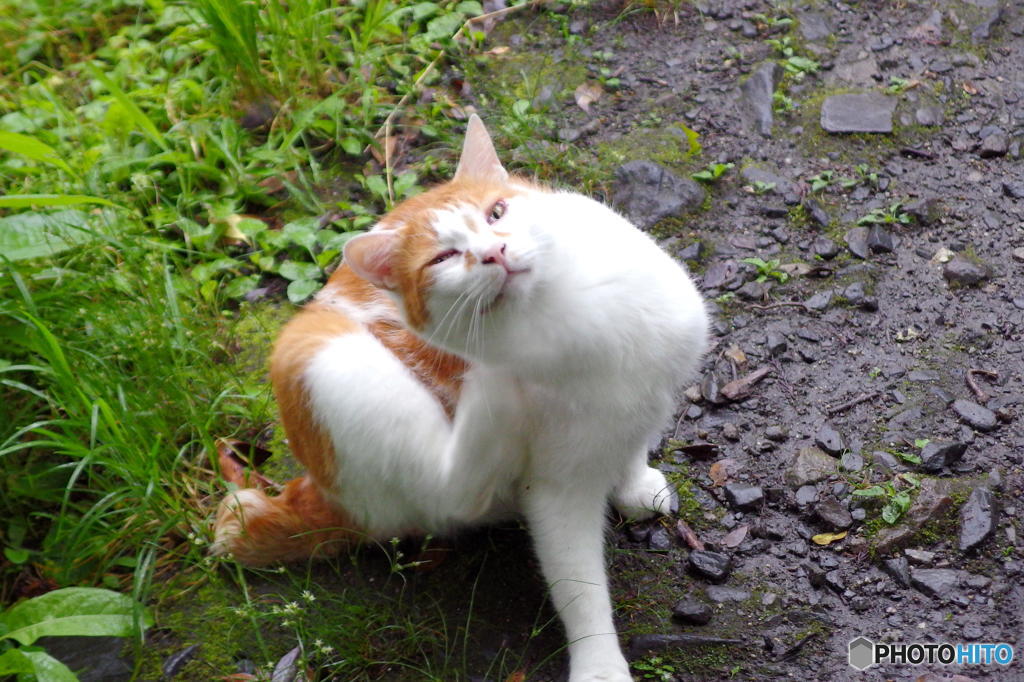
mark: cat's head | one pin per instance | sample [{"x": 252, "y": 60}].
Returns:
[{"x": 459, "y": 258}]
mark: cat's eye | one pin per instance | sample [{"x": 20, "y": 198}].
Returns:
[
  {"x": 443, "y": 256},
  {"x": 497, "y": 211}
]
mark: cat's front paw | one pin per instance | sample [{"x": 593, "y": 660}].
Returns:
[{"x": 646, "y": 495}]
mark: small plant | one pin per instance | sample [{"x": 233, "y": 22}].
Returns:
[
  {"x": 782, "y": 103},
  {"x": 654, "y": 668},
  {"x": 793, "y": 63},
  {"x": 765, "y": 22},
  {"x": 864, "y": 177},
  {"x": 760, "y": 187},
  {"x": 897, "y": 498},
  {"x": 713, "y": 172},
  {"x": 72, "y": 611},
  {"x": 822, "y": 180},
  {"x": 898, "y": 85},
  {"x": 885, "y": 216},
  {"x": 766, "y": 269}
]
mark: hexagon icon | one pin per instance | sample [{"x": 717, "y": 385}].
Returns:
[{"x": 862, "y": 653}]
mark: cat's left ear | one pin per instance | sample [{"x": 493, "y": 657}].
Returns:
[
  {"x": 370, "y": 255},
  {"x": 479, "y": 162}
]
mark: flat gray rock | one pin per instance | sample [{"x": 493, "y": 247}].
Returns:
[
  {"x": 978, "y": 519},
  {"x": 647, "y": 192},
  {"x": 756, "y": 100},
  {"x": 868, "y": 112}
]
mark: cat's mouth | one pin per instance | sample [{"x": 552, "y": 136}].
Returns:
[{"x": 496, "y": 301}]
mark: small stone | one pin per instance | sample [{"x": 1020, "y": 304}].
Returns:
[
  {"x": 880, "y": 240},
  {"x": 776, "y": 433},
  {"x": 938, "y": 454},
  {"x": 976, "y": 416},
  {"x": 814, "y": 25},
  {"x": 935, "y": 582},
  {"x": 898, "y": 570},
  {"x": 721, "y": 593},
  {"x": 692, "y": 612},
  {"x": 712, "y": 565},
  {"x": 776, "y": 343},
  {"x": 925, "y": 210},
  {"x": 920, "y": 557},
  {"x": 994, "y": 145},
  {"x": 659, "y": 540},
  {"x": 730, "y": 432},
  {"x": 693, "y": 252},
  {"x": 719, "y": 274},
  {"x": 743, "y": 496},
  {"x": 817, "y": 212},
  {"x": 825, "y": 248},
  {"x": 857, "y": 242},
  {"x": 711, "y": 389},
  {"x": 806, "y": 495},
  {"x": 819, "y": 301},
  {"x": 983, "y": 31},
  {"x": 648, "y": 192},
  {"x": 929, "y": 115},
  {"x": 829, "y": 440},
  {"x": 815, "y": 574},
  {"x": 1014, "y": 190},
  {"x": 966, "y": 272},
  {"x": 978, "y": 519},
  {"x": 834, "y": 581},
  {"x": 755, "y": 291},
  {"x": 858, "y": 113},
  {"x": 756, "y": 97},
  {"x": 833, "y": 514},
  {"x": 972, "y": 632},
  {"x": 809, "y": 466},
  {"x": 851, "y": 461}
]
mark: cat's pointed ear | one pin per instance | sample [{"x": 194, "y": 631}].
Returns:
[
  {"x": 371, "y": 255},
  {"x": 479, "y": 161}
]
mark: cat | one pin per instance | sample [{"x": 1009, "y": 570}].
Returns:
[{"x": 490, "y": 348}]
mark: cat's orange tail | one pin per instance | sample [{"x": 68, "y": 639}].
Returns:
[{"x": 258, "y": 529}]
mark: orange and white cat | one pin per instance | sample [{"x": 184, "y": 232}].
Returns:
[{"x": 489, "y": 348}]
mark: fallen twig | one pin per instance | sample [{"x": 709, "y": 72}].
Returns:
[
  {"x": 973, "y": 385},
  {"x": 738, "y": 389},
  {"x": 688, "y": 536},
  {"x": 780, "y": 304},
  {"x": 843, "y": 407}
]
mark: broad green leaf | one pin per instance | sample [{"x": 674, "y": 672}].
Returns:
[
  {"x": 16, "y": 555},
  {"x": 302, "y": 231},
  {"x": 240, "y": 286},
  {"x": 77, "y": 611},
  {"x": 295, "y": 271},
  {"x": 873, "y": 491},
  {"x": 23, "y": 200},
  {"x": 891, "y": 513},
  {"x": 301, "y": 289},
  {"x": 37, "y": 235},
  {"x": 45, "y": 667},
  {"x": 32, "y": 148}
]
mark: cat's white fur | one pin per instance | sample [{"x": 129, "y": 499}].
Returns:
[{"x": 574, "y": 368}]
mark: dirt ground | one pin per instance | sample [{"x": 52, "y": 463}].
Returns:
[{"x": 885, "y": 335}]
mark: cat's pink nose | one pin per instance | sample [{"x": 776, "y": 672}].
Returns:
[{"x": 495, "y": 254}]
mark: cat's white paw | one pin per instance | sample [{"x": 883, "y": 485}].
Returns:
[{"x": 646, "y": 495}]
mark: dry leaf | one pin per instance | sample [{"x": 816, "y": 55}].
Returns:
[
  {"x": 737, "y": 389},
  {"x": 499, "y": 50},
  {"x": 828, "y": 538},
  {"x": 797, "y": 269},
  {"x": 736, "y": 536},
  {"x": 736, "y": 354},
  {"x": 517, "y": 676},
  {"x": 970, "y": 88},
  {"x": 723, "y": 470},
  {"x": 588, "y": 93}
]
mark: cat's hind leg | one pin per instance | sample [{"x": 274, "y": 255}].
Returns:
[
  {"x": 258, "y": 529},
  {"x": 644, "y": 491}
]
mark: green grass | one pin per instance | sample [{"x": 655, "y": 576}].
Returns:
[{"x": 159, "y": 162}]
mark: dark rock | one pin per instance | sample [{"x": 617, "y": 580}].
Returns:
[
  {"x": 983, "y": 31},
  {"x": 851, "y": 461},
  {"x": 978, "y": 519},
  {"x": 933, "y": 500},
  {"x": 722, "y": 593},
  {"x": 996, "y": 144},
  {"x": 880, "y": 240},
  {"x": 898, "y": 569},
  {"x": 647, "y": 192},
  {"x": 744, "y": 497},
  {"x": 978, "y": 417},
  {"x": 712, "y": 565},
  {"x": 776, "y": 433},
  {"x": 756, "y": 93},
  {"x": 829, "y": 440},
  {"x": 95, "y": 659},
  {"x": 711, "y": 389},
  {"x": 834, "y": 581},
  {"x": 965, "y": 272},
  {"x": 639, "y": 533},
  {"x": 776, "y": 343},
  {"x": 815, "y": 574},
  {"x": 720, "y": 273},
  {"x": 806, "y": 495},
  {"x": 861, "y": 72},
  {"x": 692, "y": 612},
  {"x": 755, "y": 291},
  {"x": 833, "y": 514},
  {"x": 925, "y": 211},
  {"x": 659, "y": 540},
  {"x": 938, "y": 454},
  {"x": 935, "y": 582},
  {"x": 858, "y": 113},
  {"x": 856, "y": 296},
  {"x": 814, "y": 25},
  {"x": 929, "y": 115},
  {"x": 817, "y": 212},
  {"x": 819, "y": 301},
  {"x": 1014, "y": 190},
  {"x": 809, "y": 466},
  {"x": 857, "y": 242},
  {"x": 694, "y": 252},
  {"x": 825, "y": 248}
]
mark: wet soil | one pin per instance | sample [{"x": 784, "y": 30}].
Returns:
[{"x": 868, "y": 344}]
